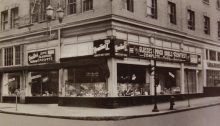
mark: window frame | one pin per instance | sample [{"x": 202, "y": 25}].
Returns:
[
  {"x": 130, "y": 5},
  {"x": 152, "y": 7},
  {"x": 12, "y": 56},
  {"x": 71, "y": 5},
  {"x": 87, "y": 5},
  {"x": 191, "y": 19},
  {"x": 4, "y": 19},
  {"x": 206, "y": 25},
  {"x": 14, "y": 17},
  {"x": 172, "y": 12},
  {"x": 212, "y": 57}
]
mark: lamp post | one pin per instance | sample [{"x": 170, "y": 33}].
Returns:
[
  {"x": 156, "y": 82},
  {"x": 50, "y": 14}
]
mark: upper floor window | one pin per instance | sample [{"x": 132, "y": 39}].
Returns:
[
  {"x": 14, "y": 17},
  {"x": 172, "y": 12},
  {"x": 4, "y": 20},
  {"x": 218, "y": 28},
  {"x": 12, "y": 56},
  {"x": 71, "y": 7},
  {"x": 206, "y": 1},
  {"x": 212, "y": 55},
  {"x": 206, "y": 25},
  {"x": 87, "y": 5},
  {"x": 152, "y": 8},
  {"x": 218, "y": 4},
  {"x": 191, "y": 19},
  {"x": 38, "y": 10},
  {"x": 130, "y": 5},
  {"x": 218, "y": 56}
]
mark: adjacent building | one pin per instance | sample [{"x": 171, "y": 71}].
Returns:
[{"x": 104, "y": 51}]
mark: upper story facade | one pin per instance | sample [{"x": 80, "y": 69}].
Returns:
[{"x": 198, "y": 19}]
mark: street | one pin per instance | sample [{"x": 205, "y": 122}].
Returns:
[{"x": 208, "y": 116}]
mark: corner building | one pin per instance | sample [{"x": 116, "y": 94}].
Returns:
[{"x": 102, "y": 53}]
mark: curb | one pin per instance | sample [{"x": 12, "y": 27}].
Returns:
[{"x": 112, "y": 118}]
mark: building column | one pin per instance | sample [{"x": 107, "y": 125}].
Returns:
[
  {"x": 152, "y": 79},
  {"x": 22, "y": 87},
  {"x": 182, "y": 78},
  {"x": 112, "y": 80},
  {"x": 61, "y": 82},
  {"x": 28, "y": 85}
]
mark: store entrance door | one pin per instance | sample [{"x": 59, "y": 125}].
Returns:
[{"x": 1, "y": 87}]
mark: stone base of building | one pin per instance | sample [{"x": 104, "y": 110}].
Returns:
[
  {"x": 212, "y": 91},
  {"x": 116, "y": 102}
]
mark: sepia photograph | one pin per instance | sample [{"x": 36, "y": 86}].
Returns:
[{"x": 109, "y": 62}]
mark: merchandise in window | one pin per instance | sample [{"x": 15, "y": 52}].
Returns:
[
  {"x": 213, "y": 78},
  {"x": 86, "y": 82},
  {"x": 11, "y": 84},
  {"x": 168, "y": 83},
  {"x": 132, "y": 80},
  {"x": 44, "y": 83}
]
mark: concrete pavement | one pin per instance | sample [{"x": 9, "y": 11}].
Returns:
[{"x": 84, "y": 113}]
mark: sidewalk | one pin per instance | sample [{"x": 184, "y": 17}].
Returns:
[{"x": 83, "y": 113}]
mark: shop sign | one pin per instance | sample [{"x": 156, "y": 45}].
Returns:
[
  {"x": 120, "y": 48},
  {"x": 102, "y": 48},
  {"x": 107, "y": 47},
  {"x": 213, "y": 65},
  {"x": 195, "y": 59},
  {"x": 45, "y": 56},
  {"x": 138, "y": 51}
]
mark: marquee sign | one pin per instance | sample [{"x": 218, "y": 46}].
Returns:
[
  {"x": 144, "y": 52},
  {"x": 45, "y": 56}
]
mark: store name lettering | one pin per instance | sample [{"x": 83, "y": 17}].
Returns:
[
  {"x": 214, "y": 65},
  {"x": 155, "y": 53},
  {"x": 104, "y": 46},
  {"x": 45, "y": 56}
]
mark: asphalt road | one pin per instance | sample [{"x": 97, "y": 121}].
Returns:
[{"x": 209, "y": 116}]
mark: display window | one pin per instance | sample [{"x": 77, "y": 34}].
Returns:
[
  {"x": 168, "y": 81},
  {"x": 213, "y": 78},
  {"x": 44, "y": 83},
  {"x": 132, "y": 80},
  {"x": 88, "y": 81},
  {"x": 11, "y": 83}
]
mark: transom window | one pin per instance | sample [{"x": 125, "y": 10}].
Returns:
[{"x": 12, "y": 56}]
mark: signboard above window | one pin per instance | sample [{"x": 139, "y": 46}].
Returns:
[{"x": 45, "y": 56}]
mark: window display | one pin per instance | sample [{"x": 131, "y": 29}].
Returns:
[
  {"x": 132, "y": 80},
  {"x": 11, "y": 83},
  {"x": 86, "y": 82},
  {"x": 44, "y": 83},
  {"x": 169, "y": 82}
]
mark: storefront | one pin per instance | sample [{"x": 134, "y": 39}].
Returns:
[
  {"x": 41, "y": 73},
  {"x": 118, "y": 73}
]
